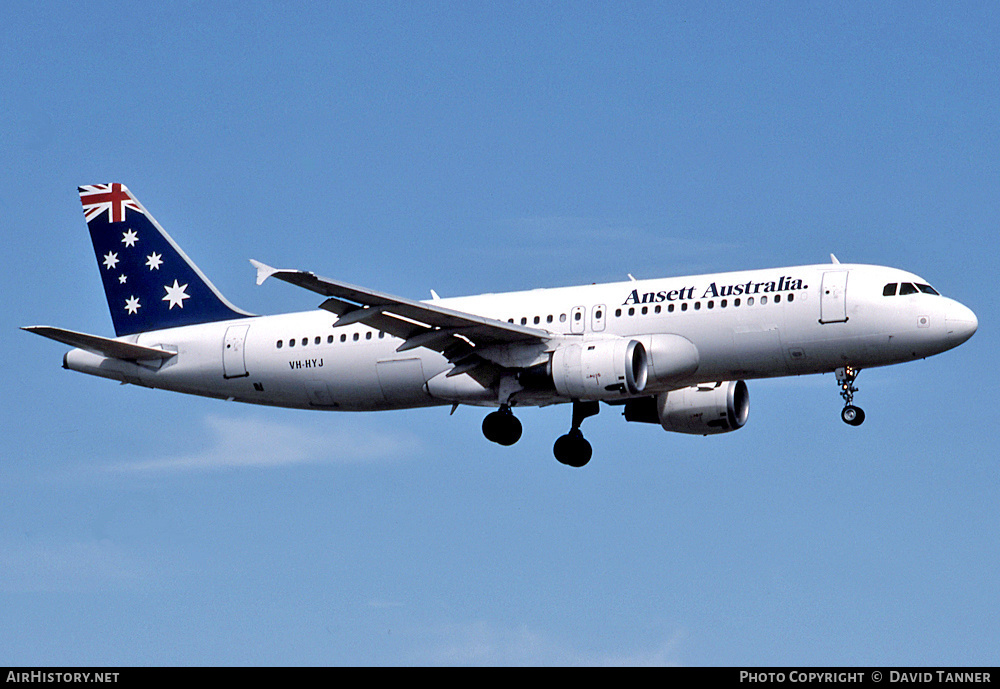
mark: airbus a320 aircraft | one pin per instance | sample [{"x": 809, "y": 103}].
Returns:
[{"x": 672, "y": 351}]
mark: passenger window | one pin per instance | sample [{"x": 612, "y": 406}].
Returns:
[
  {"x": 670, "y": 308},
  {"x": 777, "y": 298},
  {"x": 291, "y": 343},
  {"x": 697, "y": 306},
  {"x": 645, "y": 310},
  {"x": 889, "y": 290},
  {"x": 907, "y": 288},
  {"x": 356, "y": 336},
  {"x": 684, "y": 306},
  {"x": 599, "y": 314},
  {"x": 329, "y": 339},
  {"x": 763, "y": 300},
  {"x": 562, "y": 317},
  {"x": 524, "y": 321},
  {"x": 305, "y": 341},
  {"x": 279, "y": 344},
  {"x": 631, "y": 310},
  {"x": 537, "y": 320},
  {"x": 343, "y": 337},
  {"x": 791, "y": 297},
  {"x": 317, "y": 340},
  {"x": 736, "y": 301},
  {"x": 749, "y": 301},
  {"x": 548, "y": 319},
  {"x": 618, "y": 313},
  {"x": 577, "y": 316},
  {"x": 656, "y": 309},
  {"x": 368, "y": 335}
]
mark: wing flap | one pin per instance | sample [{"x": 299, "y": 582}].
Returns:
[{"x": 421, "y": 324}]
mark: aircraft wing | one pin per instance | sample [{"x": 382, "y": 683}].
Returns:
[
  {"x": 101, "y": 345},
  {"x": 453, "y": 333}
]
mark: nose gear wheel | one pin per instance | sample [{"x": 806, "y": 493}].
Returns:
[{"x": 851, "y": 415}]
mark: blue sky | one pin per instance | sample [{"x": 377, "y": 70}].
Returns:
[{"x": 470, "y": 147}]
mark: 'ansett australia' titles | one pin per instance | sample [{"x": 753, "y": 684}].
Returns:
[{"x": 784, "y": 284}]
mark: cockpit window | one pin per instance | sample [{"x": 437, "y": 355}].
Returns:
[{"x": 907, "y": 288}]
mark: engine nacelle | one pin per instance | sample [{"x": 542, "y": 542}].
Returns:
[
  {"x": 600, "y": 369},
  {"x": 699, "y": 410}
]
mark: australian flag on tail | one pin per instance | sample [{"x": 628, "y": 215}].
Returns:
[{"x": 149, "y": 281}]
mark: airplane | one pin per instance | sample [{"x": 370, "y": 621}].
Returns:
[{"x": 672, "y": 351}]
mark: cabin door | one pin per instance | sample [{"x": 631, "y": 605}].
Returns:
[
  {"x": 234, "y": 363},
  {"x": 833, "y": 297}
]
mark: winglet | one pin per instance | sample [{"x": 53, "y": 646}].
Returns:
[
  {"x": 264, "y": 271},
  {"x": 833, "y": 259}
]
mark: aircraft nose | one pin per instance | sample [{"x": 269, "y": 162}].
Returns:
[{"x": 960, "y": 322}]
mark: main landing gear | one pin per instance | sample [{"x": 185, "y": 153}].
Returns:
[
  {"x": 502, "y": 427},
  {"x": 851, "y": 415},
  {"x": 573, "y": 449}
]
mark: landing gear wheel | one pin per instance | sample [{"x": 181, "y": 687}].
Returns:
[
  {"x": 854, "y": 416},
  {"x": 502, "y": 427},
  {"x": 573, "y": 449},
  {"x": 851, "y": 415}
]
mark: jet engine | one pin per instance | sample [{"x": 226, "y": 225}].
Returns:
[
  {"x": 599, "y": 369},
  {"x": 700, "y": 409}
]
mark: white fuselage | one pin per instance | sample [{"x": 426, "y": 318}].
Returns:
[{"x": 751, "y": 324}]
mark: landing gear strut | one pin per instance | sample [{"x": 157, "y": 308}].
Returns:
[
  {"x": 502, "y": 427},
  {"x": 851, "y": 415},
  {"x": 573, "y": 449}
]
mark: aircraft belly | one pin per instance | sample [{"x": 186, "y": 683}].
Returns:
[
  {"x": 402, "y": 382},
  {"x": 757, "y": 351},
  {"x": 351, "y": 381}
]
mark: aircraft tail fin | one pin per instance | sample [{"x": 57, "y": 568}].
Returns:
[{"x": 149, "y": 281}]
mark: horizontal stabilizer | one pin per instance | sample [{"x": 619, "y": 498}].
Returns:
[{"x": 100, "y": 345}]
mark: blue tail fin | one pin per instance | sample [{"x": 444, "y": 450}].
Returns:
[{"x": 149, "y": 281}]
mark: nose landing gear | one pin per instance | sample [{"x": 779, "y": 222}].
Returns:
[{"x": 850, "y": 414}]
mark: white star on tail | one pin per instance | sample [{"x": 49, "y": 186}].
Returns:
[
  {"x": 132, "y": 304},
  {"x": 154, "y": 260},
  {"x": 175, "y": 295},
  {"x": 122, "y": 279},
  {"x": 110, "y": 260},
  {"x": 129, "y": 238}
]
